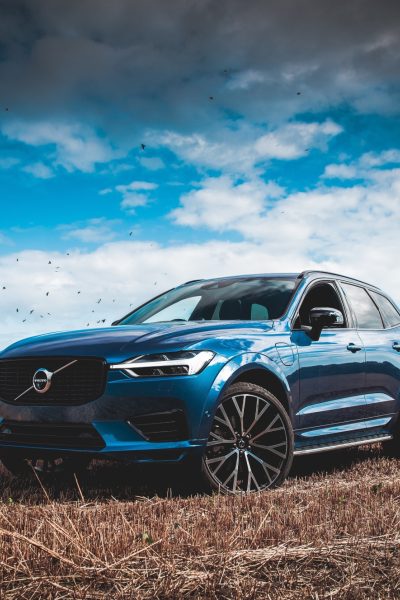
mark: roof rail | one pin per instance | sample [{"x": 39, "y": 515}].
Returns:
[{"x": 317, "y": 271}]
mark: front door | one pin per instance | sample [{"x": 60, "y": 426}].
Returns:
[{"x": 331, "y": 373}]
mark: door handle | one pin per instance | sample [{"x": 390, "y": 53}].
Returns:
[
  {"x": 396, "y": 346},
  {"x": 354, "y": 348}
]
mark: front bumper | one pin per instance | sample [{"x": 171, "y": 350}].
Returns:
[{"x": 113, "y": 420}]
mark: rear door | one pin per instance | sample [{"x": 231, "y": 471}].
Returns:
[{"x": 378, "y": 324}]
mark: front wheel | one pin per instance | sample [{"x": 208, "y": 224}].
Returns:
[{"x": 250, "y": 446}]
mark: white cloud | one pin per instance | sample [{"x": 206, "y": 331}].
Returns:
[
  {"x": 95, "y": 231},
  {"x": 295, "y": 139},
  {"x": 243, "y": 149},
  {"x": 133, "y": 201},
  {"x": 152, "y": 163},
  {"x": 366, "y": 167},
  {"x": 136, "y": 185},
  {"x": 374, "y": 159},
  {"x": 354, "y": 228},
  {"x": 340, "y": 171},
  {"x": 134, "y": 194},
  {"x": 71, "y": 146},
  {"x": 8, "y": 163},
  {"x": 107, "y": 274},
  {"x": 39, "y": 170},
  {"x": 221, "y": 203}
]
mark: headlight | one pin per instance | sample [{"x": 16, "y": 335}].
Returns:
[{"x": 166, "y": 364}]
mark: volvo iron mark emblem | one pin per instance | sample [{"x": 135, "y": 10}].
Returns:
[{"x": 42, "y": 381}]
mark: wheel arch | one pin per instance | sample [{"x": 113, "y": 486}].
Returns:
[
  {"x": 250, "y": 368},
  {"x": 268, "y": 380}
]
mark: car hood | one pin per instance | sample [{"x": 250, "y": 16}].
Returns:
[{"x": 122, "y": 342}]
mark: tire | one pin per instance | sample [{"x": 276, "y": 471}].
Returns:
[
  {"x": 250, "y": 446},
  {"x": 46, "y": 466}
]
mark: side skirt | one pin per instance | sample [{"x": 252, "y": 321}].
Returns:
[{"x": 338, "y": 445}]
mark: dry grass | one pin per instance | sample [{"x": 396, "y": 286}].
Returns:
[{"x": 332, "y": 531}]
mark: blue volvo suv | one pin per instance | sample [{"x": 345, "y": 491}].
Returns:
[{"x": 233, "y": 376}]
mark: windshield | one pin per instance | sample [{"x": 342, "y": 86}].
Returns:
[{"x": 249, "y": 299}]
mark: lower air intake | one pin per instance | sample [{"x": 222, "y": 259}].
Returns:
[
  {"x": 169, "y": 426},
  {"x": 50, "y": 435}
]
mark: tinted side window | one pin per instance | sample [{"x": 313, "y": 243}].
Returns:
[
  {"x": 390, "y": 314},
  {"x": 367, "y": 314},
  {"x": 320, "y": 294}
]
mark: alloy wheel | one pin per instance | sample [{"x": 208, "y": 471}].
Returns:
[{"x": 248, "y": 445}]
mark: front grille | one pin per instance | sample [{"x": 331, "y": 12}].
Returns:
[
  {"x": 81, "y": 382},
  {"x": 50, "y": 435},
  {"x": 169, "y": 426}
]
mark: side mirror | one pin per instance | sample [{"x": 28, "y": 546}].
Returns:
[{"x": 321, "y": 317}]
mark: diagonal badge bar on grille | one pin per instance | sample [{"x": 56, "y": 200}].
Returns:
[{"x": 54, "y": 373}]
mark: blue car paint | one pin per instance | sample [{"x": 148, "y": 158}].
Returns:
[{"x": 331, "y": 393}]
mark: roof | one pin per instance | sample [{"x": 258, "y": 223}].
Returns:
[
  {"x": 336, "y": 275},
  {"x": 247, "y": 276},
  {"x": 310, "y": 273}
]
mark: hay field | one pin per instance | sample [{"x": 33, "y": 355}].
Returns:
[{"x": 332, "y": 531}]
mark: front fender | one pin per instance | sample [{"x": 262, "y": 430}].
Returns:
[{"x": 229, "y": 373}]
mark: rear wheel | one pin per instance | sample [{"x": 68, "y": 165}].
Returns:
[
  {"x": 250, "y": 446},
  {"x": 46, "y": 466}
]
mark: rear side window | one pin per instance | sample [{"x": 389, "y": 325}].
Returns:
[
  {"x": 390, "y": 314},
  {"x": 259, "y": 312},
  {"x": 366, "y": 312}
]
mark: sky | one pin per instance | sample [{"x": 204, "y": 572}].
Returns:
[{"x": 147, "y": 143}]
